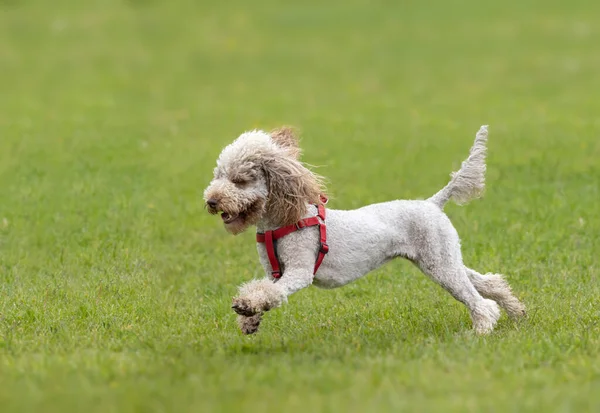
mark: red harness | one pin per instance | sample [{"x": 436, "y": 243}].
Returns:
[{"x": 269, "y": 236}]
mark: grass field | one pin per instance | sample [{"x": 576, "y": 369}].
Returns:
[{"x": 115, "y": 284}]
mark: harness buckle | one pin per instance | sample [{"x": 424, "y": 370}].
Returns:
[
  {"x": 300, "y": 224},
  {"x": 324, "y": 248}
]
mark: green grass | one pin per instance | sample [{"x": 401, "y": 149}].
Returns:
[{"x": 115, "y": 284}]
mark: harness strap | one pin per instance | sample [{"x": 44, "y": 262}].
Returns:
[
  {"x": 283, "y": 231},
  {"x": 276, "y": 272},
  {"x": 268, "y": 238},
  {"x": 323, "y": 247}
]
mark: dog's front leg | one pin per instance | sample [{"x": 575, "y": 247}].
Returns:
[{"x": 258, "y": 296}]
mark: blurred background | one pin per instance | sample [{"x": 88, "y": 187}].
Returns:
[{"x": 112, "y": 113}]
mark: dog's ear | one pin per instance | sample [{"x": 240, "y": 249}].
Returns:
[
  {"x": 286, "y": 138},
  {"x": 291, "y": 187}
]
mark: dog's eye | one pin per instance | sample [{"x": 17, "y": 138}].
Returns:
[
  {"x": 240, "y": 181},
  {"x": 243, "y": 179}
]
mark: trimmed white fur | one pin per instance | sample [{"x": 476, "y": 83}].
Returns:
[{"x": 359, "y": 240}]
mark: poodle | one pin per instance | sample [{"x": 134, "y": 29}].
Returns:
[{"x": 260, "y": 181}]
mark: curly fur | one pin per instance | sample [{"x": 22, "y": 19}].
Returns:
[
  {"x": 260, "y": 295},
  {"x": 286, "y": 138},
  {"x": 495, "y": 287},
  {"x": 469, "y": 182},
  {"x": 260, "y": 176},
  {"x": 260, "y": 181},
  {"x": 249, "y": 325},
  {"x": 291, "y": 186},
  {"x": 485, "y": 316}
]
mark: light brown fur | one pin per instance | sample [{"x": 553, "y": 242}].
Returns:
[
  {"x": 291, "y": 184},
  {"x": 291, "y": 187},
  {"x": 287, "y": 184},
  {"x": 249, "y": 325},
  {"x": 286, "y": 137}
]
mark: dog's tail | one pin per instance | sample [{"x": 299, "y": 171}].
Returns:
[{"x": 469, "y": 182}]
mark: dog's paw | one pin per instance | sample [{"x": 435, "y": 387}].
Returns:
[
  {"x": 244, "y": 307},
  {"x": 249, "y": 325},
  {"x": 515, "y": 309}
]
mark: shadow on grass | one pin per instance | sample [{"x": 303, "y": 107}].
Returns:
[{"x": 350, "y": 336}]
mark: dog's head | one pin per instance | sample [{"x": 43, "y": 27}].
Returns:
[{"x": 258, "y": 176}]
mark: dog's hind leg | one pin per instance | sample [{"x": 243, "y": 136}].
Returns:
[
  {"x": 453, "y": 278},
  {"x": 495, "y": 287}
]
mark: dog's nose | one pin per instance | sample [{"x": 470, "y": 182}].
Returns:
[{"x": 212, "y": 203}]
